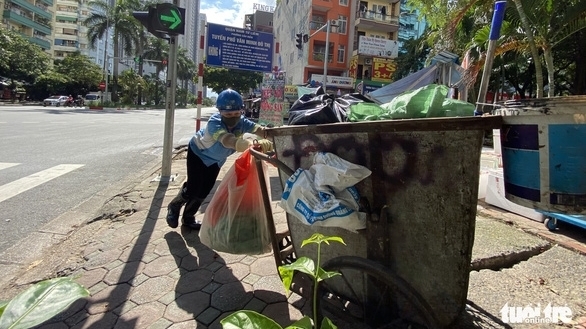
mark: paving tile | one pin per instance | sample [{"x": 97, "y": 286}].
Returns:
[
  {"x": 233, "y": 273},
  {"x": 231, "y": 296},
  {"x": 152, "y": 289},
  {"x": 131, "y": 254},
  {"x": 100, "y": 258},
  {"x": 161, "y": 323},
  {"x": 193, "y": 281},
  {"x": 256, "y": 305},
  {"x": 141, "y": 316},
  {"x": 102, "y": 320},
  {"x": 187, "y": 306},
  {"x": 168, "y": 298},
  {"x": 209, "y": 315},
  {"x": 264, "y": 266},
  {"x": 160, "y": 266},
  {"x": 125, "y": 272},
  {"x": 270, "y": 289},
  {"x": 251, "y": 278},
  {"x": 188, "y": 325},
  {"x": 108, "y": 298},
  {"x": 127, "y": 306},
  {"x": 89, "y": 278},
  {"x": 189, "y": 263},
  {"x": 283, "y": 313}
]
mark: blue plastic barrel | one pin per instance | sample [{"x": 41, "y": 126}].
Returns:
[{"x": 543, "y": 153}]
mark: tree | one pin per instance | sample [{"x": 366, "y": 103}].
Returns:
[
  {"x": 125, "y": 27},
  {"x": 185, "y": 71},
  {"x": 411, "y": 59},
  {"x": 219, "y": 78},
  {"x": 83, "y": 74},
  {"x": 130, "y": 83},
  {"x": 21, "y": 60},
  {"x": 157, "y": 49}
]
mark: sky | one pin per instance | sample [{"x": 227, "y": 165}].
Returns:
[{"x": 229, "y": 13}]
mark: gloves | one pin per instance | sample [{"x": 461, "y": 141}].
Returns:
[
  {"x": 242, "y": 144},
  {"x": 265, "y": 145}
]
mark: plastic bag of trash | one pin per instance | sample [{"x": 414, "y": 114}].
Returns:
[{"x": 324, "y": 194}]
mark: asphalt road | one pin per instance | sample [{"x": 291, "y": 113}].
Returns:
[{"x": 52, "y": 159}]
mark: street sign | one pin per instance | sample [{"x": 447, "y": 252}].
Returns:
[
  {"x": 164, "y": 61},
  {"x": 243, "y": 49},
  {"x": 102, "y": 86},
  {"x": 169, "y": 19}
]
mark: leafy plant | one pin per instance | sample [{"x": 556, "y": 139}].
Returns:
[
  {"x": 247, "y": 319},
  {"x": 40, "y": 303}
]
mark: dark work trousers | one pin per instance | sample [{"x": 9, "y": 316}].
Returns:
[{"x": 200, "y": 178}]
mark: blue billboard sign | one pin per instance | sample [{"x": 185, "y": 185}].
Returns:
[{"x": 237, "y": 48}]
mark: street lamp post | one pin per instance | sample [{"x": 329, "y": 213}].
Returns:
[{"x": 327, "y": 55}]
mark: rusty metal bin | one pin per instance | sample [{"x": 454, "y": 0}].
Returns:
[{"x": 422, "y": 193}]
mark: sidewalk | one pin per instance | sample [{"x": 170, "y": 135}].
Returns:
[{"x": 143, "y": 274}]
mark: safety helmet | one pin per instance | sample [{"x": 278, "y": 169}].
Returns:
[{"x": 229, "y": 100}]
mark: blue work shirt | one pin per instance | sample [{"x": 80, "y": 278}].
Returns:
[{"x": 206, "y": 145}]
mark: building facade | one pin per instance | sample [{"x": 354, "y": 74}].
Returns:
[
  {"x": 33, "y": 19},
  {"x": 69, "y": 33},
  {"x": 361, "y": 43}
]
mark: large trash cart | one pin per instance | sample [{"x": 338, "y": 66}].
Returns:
[{"x": 420, "y": 199}]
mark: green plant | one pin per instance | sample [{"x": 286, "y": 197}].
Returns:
[
  {"x": 252, "y": 320},
  {"x": 40, "y": 303}
]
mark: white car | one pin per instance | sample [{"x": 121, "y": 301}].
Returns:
[{"x": 55, "y": 101}]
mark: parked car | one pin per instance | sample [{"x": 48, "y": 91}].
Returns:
[
  {"x": 92, "y": 97},
  {"x": 55, "y": 101}
]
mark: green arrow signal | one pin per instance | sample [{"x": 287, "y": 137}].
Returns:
[{"x": 175, "y": 20}]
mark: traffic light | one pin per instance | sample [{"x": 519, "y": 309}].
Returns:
[
  {"x": 164, "y": 18},
  {"x": 299, "y": 41},
  {"x": 305, "y": 38}
]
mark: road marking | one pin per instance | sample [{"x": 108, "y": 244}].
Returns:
[
  {"x": 18, "y": 186},
  {"x": 4, "y": 165}
]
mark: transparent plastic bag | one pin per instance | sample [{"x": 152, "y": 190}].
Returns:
[{"x": 235, "y": 221}]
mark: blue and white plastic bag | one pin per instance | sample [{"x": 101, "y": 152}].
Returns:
[{"x": 324, "y": 195}]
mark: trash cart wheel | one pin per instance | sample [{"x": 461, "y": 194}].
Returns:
[
  {"x": 551, "y": 223},
  {"x": 368, "y": 295}
]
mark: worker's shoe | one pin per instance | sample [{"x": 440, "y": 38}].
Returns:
[
  {"x": 191, "y": 208},
  {"x": 174, "y": 208}
]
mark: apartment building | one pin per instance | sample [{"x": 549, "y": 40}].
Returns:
[
  {"x": 361, "y": 44},
  {"x": 69, "y": 33},
  {"x": 33, "y": 19}
]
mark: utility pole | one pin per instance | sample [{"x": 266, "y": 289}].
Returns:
[
  {"x": 170, "y": 108},
  {"x": 166, "y": 19}
]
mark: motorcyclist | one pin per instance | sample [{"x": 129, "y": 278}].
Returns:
[
  {"x": 79, "y": 101},
  {"x": 70, "y": 100}
]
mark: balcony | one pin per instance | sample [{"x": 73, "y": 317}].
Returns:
[
  {"x": 43, "y": 43},
  {"x": 322, "y": 5},
  {"x": 47, "y": 2},
  {"x": 371, "y": 20},
  {"x": 26, "y": 20},
  {"x": 319, "y": 57},
  {"x": 30, "y": 7}
]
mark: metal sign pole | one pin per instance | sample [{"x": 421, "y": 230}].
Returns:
[
  {"x": 170, "y": 110},
  {"x": 325, "y": 78}
]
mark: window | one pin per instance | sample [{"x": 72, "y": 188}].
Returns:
[
  {"x": 341, "y": 53},
  {"x": 342, "y": 22},
  {"x": 344, "y": 2}
]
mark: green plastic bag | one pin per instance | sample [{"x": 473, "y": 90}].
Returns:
[
  {"x": 424, "y": 102},
  {"x": 367, "y": 112},
  {"x": 457, "y": 108}
]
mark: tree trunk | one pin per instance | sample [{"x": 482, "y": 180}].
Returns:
[
  {"x": 533, "y": 47},
  {"x": 115, "y": 68},
  {"x": 550, "y": 70},
  {"x": 579, "y": 83}
]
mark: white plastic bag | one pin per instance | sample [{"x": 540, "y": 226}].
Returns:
[{"x": 325, "y": 194}]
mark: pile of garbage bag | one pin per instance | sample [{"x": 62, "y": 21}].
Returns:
[{"x": 426, "y": 102}]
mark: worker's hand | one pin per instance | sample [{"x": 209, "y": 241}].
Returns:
[
  {"x": 242, "y": 144},
  {"x": 264, "y": 144}
]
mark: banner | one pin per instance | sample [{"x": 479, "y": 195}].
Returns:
[
  {"x": 383, "y": 69},
  {"x": 378, "y": 47},
  {"x": 272, "y": 99},
  {"x": 353, "y": 67}
]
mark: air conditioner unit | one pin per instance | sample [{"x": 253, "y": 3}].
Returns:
[
  {"x": 334, "y": 22},
  {"x": 368, "y": 61}
]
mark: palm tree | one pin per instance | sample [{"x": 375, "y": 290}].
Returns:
[
  {"x": 118, "y": 18},
  {"x": 156, "y": 50},
  {"x": 185, "y": 71}
]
